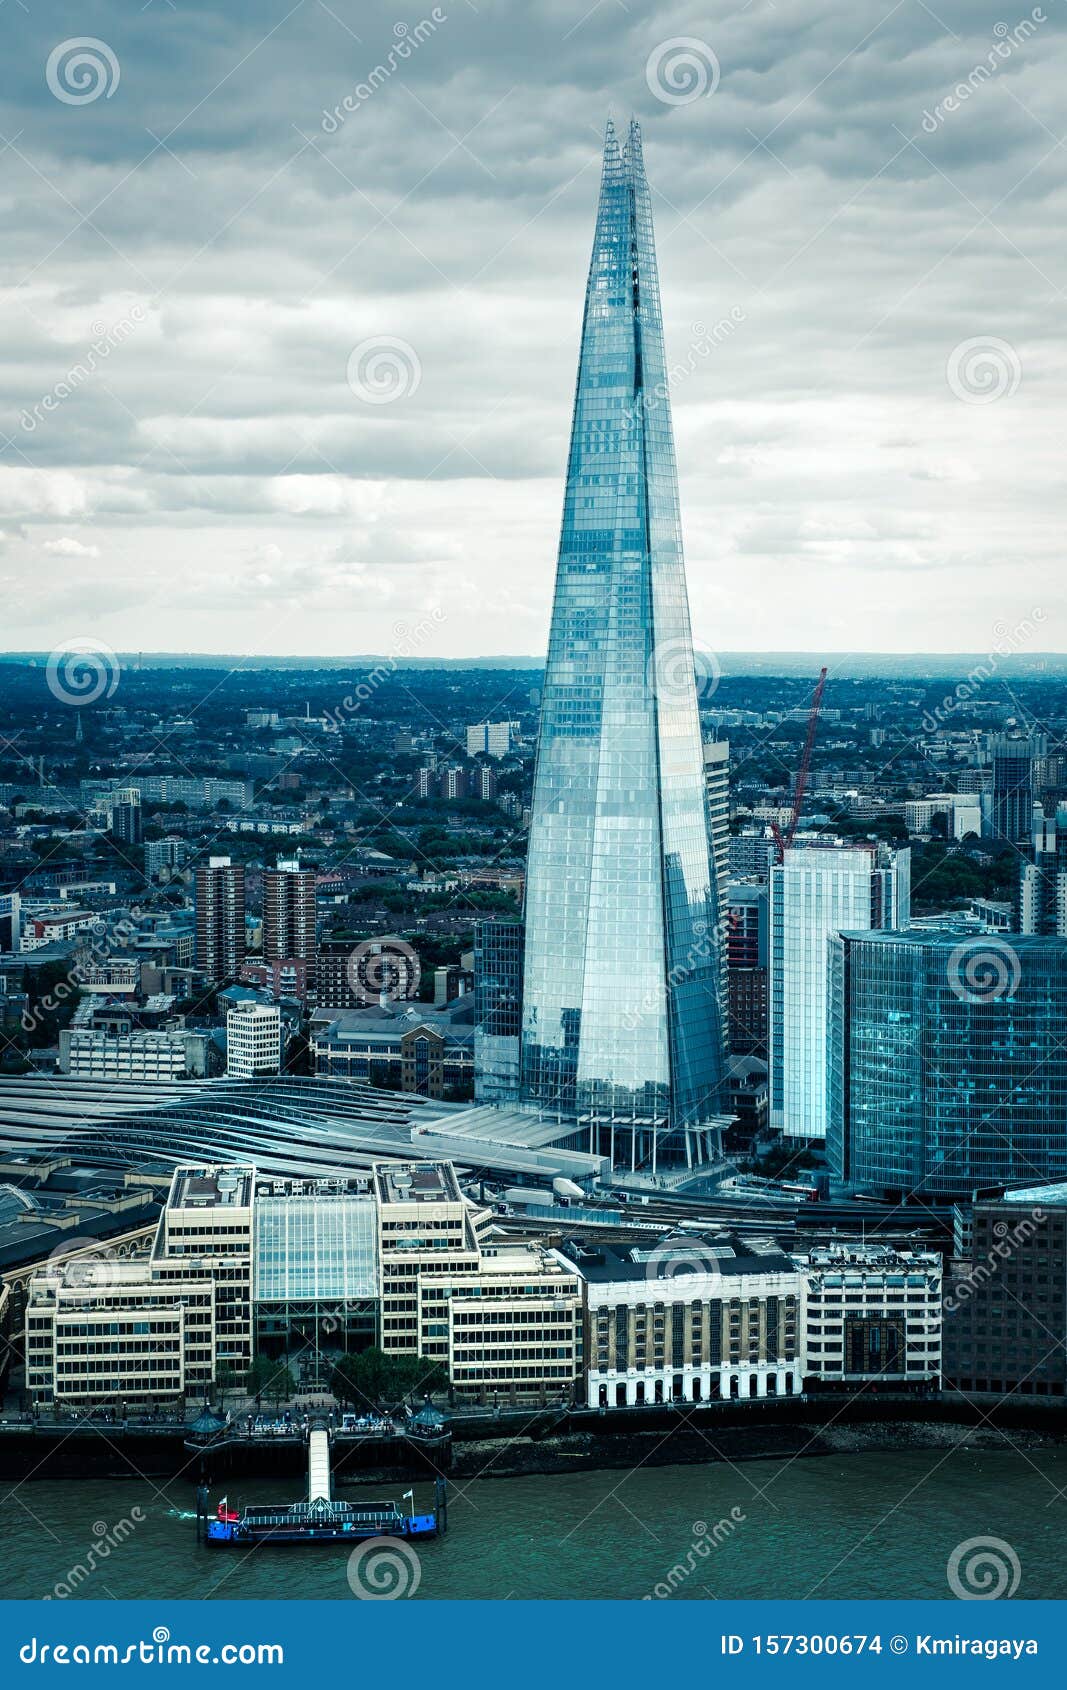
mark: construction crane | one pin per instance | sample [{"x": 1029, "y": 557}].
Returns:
[{"x": 784, "y": 840}]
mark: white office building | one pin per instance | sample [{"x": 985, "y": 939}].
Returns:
[
  {"x": 253, "y": 1040},
  {"x": 492, "y": 739},
  {"x": 819, "y": 890}
]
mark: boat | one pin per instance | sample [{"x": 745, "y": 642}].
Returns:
[{"x": 320, "y": 1519}]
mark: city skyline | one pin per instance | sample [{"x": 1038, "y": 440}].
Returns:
[{"x": 858, "y": 292}]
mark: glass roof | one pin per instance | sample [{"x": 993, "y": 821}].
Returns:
[{"x": 316, "y": 1248}]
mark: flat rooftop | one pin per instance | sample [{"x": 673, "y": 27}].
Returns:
[
  {"x": 417, "y": 1182},
  {"x": 676, "y": 1256},
  {"x": 228, "y": 1186}
]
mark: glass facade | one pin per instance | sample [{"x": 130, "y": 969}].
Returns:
[
  {"x": 621, "y": 1006},
  {"x": 814, "y": 893},
  {"x": 947, "y": 1061},
  {"x": 317, "y": 1248},
  {"x": 498, "y": 952}
]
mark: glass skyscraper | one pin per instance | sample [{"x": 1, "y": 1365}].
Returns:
[
  {"x": 948, "y": 1061},
  {"x": 621, "y": 1008}
]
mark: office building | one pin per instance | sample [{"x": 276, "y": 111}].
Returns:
[
  {"x": 124, "y": 816},
  {"x": 131, "y": 1053},
  {"x": 1006, "y": 1296},
  {"x": 148, "y": 1332},
  {"x": 948, "y": 1061},
  {"x": 253, "y": 1041},
  {"x": 10, "y": 922},
  {"x": 401, "y": 1047},
  {"x": 220, "y": 918},
  {"x": 163, "y": 856},
  {"x": 621, "y": 993},
  {"x": 815, "y": 892},
  {"x": 1040, "y": 903},
  {"x": 490, "y": 739},
  {"x": 498, "y": 962},
  {"x": 961, "y": 812},
  {"x": 717, "y": 786},
  {"x": 871, "y": 1315},
  {"x": 746, "y": 957},
  {"x": 1015, "y": 782},
  {"x": 289, "y": 920},
  {"x": 506, "y": 1322},
  {"x": 688, "y": 1319}
]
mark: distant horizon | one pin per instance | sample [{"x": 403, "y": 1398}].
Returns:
[{"x": 731, "y": 663}]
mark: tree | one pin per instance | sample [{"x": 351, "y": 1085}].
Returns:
[
  {"x": 270, "y": 1378},
  {"x": 372, "y": 1378}
]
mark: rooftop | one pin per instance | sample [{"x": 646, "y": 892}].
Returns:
[
  {"x": 226, "y": 1186},
  {"x": 676, "y": 1256},
  {"x": 417, "y": 1182}
]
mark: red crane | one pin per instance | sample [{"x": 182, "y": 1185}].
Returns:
[{"x": 784, "y": 840}]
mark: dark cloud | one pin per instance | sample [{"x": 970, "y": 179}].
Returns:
[{"x": 190, "y": 263}]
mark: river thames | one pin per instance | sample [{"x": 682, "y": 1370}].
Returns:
[{"x": 873, "y": 1525}]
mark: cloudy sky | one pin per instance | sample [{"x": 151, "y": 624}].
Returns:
[{"x": 292, "y": 293}]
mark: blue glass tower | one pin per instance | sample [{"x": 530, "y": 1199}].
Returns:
[{"x": 621, "y": 1011}]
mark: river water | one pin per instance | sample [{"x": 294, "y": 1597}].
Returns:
[{"x": 870, "y": 1525}]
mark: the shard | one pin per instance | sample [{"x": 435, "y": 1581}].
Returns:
[{"x": 621, "y": 1027}]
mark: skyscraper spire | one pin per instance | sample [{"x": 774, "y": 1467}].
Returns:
[{"x": 621, "y": 1012}]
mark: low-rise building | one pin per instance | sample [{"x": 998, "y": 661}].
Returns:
[
  {"x": 402, "y": 1046},
  {"x": 688, "y": 1319},
  {"x": 872, "y": 1315}
]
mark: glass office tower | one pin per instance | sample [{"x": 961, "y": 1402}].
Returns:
[
  {"x": 947, "y": 1061},
  {"x": 621, "y": 1009}
]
